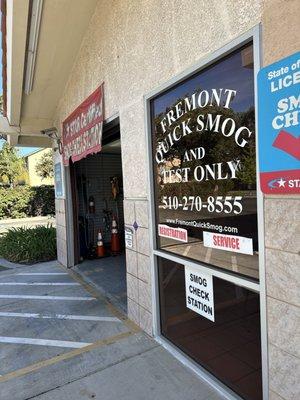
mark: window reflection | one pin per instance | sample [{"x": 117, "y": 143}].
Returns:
[
  {"x": 229, "y": 348},
  {"x": 205, "y": 174}
]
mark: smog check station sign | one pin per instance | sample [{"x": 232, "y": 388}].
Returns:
[
  {"x": 199, "y": 292},
  {"x": 279, "y": 126}
]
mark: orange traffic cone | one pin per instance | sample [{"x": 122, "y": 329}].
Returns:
[
  {"x": 115, "y": 239},
  {"x": 100, "y": 246}
]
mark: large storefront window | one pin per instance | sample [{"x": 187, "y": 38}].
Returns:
[
  {"x": 229, "y": 346},
  {"x": 203, "y": 132},
  {"x": 205, "y": 202}
]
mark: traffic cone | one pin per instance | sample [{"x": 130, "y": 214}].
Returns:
[
  {"x": 115, "y": 238},
  {"x": 100, "y": 246}
]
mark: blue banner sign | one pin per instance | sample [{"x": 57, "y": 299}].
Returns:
[{"x": 279, "y": 126}]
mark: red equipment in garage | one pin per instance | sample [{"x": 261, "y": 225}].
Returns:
[
  {"x": 100, "y": 246},
  {"x": 115, "y": 238}
]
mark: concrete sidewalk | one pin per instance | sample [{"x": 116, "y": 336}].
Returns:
[
  {"x": 28, "y": 222},
  {"x": 110, "y": 359}
]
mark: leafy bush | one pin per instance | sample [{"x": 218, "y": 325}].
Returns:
[
  {"x": 23, "y": 201},
  {"x": 29, "y": 245},
  {"x": 14, "y": 202},
  {"x": 12, "y": 166},
  {"x": 191, "y": 188},
  {"x": 43, "y": 201}
]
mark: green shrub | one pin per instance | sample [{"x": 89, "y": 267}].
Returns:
[
  {"x": 42, "y": 201},
  {"x": 26, "y": 201},
  {"x": 191, "y": 188},
  {"x": 29, "y": 245},
  {"x": 14, "y": 202}
]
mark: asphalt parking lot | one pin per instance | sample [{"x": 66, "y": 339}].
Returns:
[{"x": 61, "y": 340}]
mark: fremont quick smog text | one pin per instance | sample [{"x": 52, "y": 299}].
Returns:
[{"x": 174, "y": 128}]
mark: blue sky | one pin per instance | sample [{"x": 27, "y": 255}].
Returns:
[{"x": 22, "y": 150}]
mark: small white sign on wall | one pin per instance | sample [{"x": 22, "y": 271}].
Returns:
[
  {"x": 128, "y": 237},
  {"x": 58, "y": 179},
  {"x": 199, "y": 292}
]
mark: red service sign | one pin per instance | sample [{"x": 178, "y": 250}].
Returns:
[
  {"x": 82, "y": 130},
  {"x": 237, "y": 244}
]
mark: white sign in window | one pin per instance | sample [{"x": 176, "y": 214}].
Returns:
[
  {"x": 173, "y": 233},
  {"x": 199, "y": 292},
  {"x": 237, "y": 244}
]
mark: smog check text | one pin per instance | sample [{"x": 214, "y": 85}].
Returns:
[{"x": 199, "y": 293}]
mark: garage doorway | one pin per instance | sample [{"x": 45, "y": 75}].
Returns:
[{"x": 98, "y": 218}]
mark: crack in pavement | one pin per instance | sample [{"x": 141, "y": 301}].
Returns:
[{"x": 93, "y": 372}]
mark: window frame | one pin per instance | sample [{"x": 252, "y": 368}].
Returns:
[{"x": 254, "y": 36}]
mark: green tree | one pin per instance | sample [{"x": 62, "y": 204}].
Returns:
[
  {"x": 45, "y": 168},
  {"x": 12, "y": 166},
  {"x": 247, "y": 174}
]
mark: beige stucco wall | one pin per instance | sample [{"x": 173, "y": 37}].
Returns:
[
  {"x": 134, "y": 46},
  {"x": 32, "y": 161},
  {"x": 61, "y": 223},
  {"x": 281, "y": 37}
]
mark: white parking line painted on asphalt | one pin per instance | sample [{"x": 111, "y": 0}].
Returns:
[
  {"x": 39, "y": 284},
  {"x": 234, "y": 263},
  {"x": 19, "y": 296},
  {"x": 42, "y": 273},
  {"x": 43, "y": 342},
  {"x": 60, "y": 316},
  {"x": 188, "y": 248},
  {"x": 208, "y": 255}
]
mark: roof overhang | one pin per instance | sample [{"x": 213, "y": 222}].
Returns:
[
  {"x": 42, "y": 39},
  {"x": 16, "y": 33}
]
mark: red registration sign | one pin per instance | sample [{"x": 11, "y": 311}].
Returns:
[{"x": 82, "y": 130}]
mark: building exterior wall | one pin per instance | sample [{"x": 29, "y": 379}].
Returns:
[
  {"x": 133, "y": 55},
  {"x": 61, "y": 221},
  {"x": 281, "y": 38},
  {"x": 32, "y": 161},
  {"x": 136, "y": 46}
]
